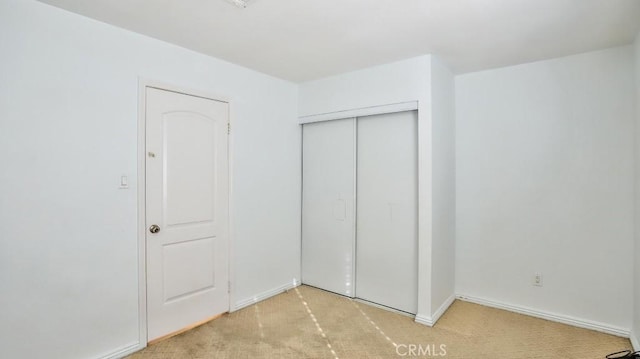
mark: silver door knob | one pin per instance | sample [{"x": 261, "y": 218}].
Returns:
[{"x": 154, "y": 228}]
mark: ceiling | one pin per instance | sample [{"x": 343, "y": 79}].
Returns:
[{"x": 300, "y": 40}]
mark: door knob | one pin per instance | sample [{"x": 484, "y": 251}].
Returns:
[{"x": 154, "y": 228}]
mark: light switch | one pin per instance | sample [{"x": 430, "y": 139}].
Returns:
[{"x": 124, "y": 182}]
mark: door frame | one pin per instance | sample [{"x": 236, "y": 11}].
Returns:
[{"x": 141, "y": 188}]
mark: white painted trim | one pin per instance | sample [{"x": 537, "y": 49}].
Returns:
[
  {"x": 433, "y": 319},
  {"x": 633, "y": 337},
  {"x": 141, "y": 188},
  {"x": 231, "y": 208},
  {"x": 443, "y": 308},
  {"x": 425, "y": 320},
  {"x": 559, "y": 318},
  {"x": 264, "y": 295},
  {"x": 143, "y": 83},
  {"x": 425, "y": 205},
  {"x": 184, "y": 90},
  {"x": 354, "y": 214},
  {"x": 300, "y": 264},
  {"x": 360, "y": 112},
  {"x": 124, "y": 351}
]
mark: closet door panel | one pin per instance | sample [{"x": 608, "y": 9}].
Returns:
[
  {"x": 387, "y": 210},
  {"x": 328, "y": 205}
]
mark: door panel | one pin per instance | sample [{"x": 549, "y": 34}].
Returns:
[
  {"x": 187, "y": 198},
  {"x": 188, "y": 268},
  {"x": 387, "y": 210},
  {"x": 328, "y": 218},
  {"x": 189, "y": 147}
]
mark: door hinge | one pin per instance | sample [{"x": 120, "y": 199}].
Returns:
[{"x": 228, "y": 128}]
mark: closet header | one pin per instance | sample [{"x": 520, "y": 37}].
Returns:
[{"x": 360, "y": 112}]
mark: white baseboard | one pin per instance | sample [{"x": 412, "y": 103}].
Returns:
[
  {"x": 124, "y": 351},
  {"x": 443, "y": 308},
  {"x": 433, "y": 319},
  {"x": 423, "y": 319},
  {"x": 132, "y": 348},
  {"x": 262, "y": 296},
  {"x": 633, "y": 336},
  {"x": 564, "y": 319}
]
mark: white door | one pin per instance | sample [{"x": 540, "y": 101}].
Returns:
[
  {"x": 387, "y": 210},
  {"x": 328, "y": 205},
  {"x": 187, "y": 208}
]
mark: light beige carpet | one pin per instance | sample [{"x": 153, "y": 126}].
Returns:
[{"x": 311, "y": 323}]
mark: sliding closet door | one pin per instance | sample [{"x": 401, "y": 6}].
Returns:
[
  {"x": 328, "y": 205},
  {"x": 387, "y": 213}
]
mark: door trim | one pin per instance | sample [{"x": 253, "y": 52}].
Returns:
[{"x": 141, "y": 185}]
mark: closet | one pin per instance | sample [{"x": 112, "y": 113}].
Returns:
[{"x": 360, "y": 207}]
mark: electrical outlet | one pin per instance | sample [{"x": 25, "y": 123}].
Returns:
[{"x": 537, "y": 279}]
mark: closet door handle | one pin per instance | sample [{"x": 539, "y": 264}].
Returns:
[{"x": 340, "y": 210}]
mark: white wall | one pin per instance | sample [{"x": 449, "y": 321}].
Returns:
[
  {"x": 444, "y": 180},
  {"x": 68, "y": 131},
  {"x": 401, "y": 81},
  {"x": 635, "y": 335},
  {"x": 545, "y": 183}
]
